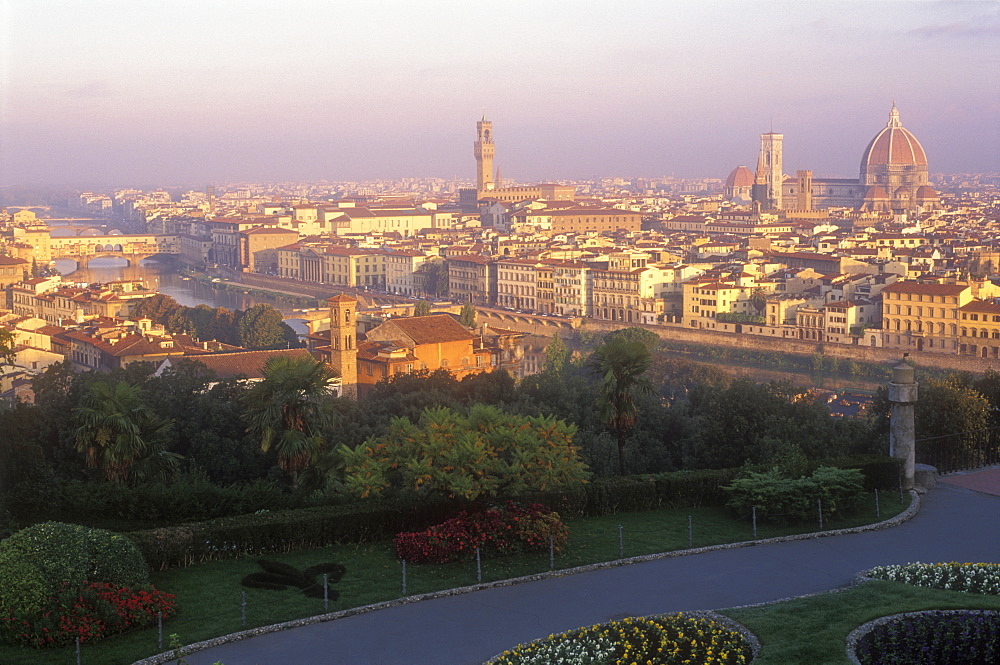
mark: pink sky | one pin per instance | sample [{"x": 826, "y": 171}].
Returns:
[{"x": 122, "y": 92}]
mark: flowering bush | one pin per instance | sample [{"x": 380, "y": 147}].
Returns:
[
  {"x": 90, "y": 612},
  {"x": 670, "y": 640},
  {"x": 495, "y": 531},
  {"x": 969, "y": 577},
  {"x": 933, "y": 638}
]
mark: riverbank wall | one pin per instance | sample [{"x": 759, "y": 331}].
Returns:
[{"x": 679, "y": 334}]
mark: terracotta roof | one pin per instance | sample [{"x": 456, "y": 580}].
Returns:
[
  {"x": 342, "y": 297},
  {"x": 931, "y": 289},
  {"x": 981, "y": 306},
  {"x": 431, "y": 329},
  {"x": 246, "y": 363}
]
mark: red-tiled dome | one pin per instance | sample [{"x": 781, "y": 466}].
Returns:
[
  {"x": 894, "y": 145},
  {"x": 741, "y": 176},
  {"x": 926, "y": 192},
  {"x": 876, "y": 192}
]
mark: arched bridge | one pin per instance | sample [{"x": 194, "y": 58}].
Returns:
[{"x": 131, "y": 247}]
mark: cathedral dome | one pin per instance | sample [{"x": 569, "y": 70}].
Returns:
[
  {"x": 741, "y": 176},
  {"x": 876, "y": 192},
  {"x": 894, "y": 145},
  {"x": 926, "y": 192}
]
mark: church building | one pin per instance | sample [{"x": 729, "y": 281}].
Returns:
[{"x": 893, "y": 178}]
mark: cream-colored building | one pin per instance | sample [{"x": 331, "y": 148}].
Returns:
[{"x": 403, "y": 271}]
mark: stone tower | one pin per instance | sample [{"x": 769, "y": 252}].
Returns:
[
  {"x": 769, "y": 172},
  {"x": 344, "y": 342},
  {"x": 484, "y": 150},
  {"x": 804, "y": 185}
]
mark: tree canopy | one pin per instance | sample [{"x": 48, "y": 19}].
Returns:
[{"x": 485, "y": 453}]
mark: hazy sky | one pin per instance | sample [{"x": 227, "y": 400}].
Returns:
[{"x": 209, "y": 91}]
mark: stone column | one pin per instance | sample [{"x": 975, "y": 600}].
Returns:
[{"x": 902, "y": 396}]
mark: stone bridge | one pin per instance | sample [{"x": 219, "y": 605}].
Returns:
[{"x": 130, "y": 247}]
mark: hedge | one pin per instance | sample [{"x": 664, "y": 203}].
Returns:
[
  {"x": 288, "y": 530},
  {"x": 377, "y": 519}
]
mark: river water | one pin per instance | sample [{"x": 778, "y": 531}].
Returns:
[{"x": 164, "y": 278}]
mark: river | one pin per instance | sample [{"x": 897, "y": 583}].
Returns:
[{"x": 164, "y": 278}]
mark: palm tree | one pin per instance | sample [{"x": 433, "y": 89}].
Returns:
[
  {"x": 621, "y": 364},
  {"x": 289, "y": 410},
  {"x": 118, "y": 433}
]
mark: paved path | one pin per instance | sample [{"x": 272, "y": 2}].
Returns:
[{"x": 954, "y": 524}]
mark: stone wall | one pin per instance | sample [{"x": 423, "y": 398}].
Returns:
[{"x": 678, "y": 333}]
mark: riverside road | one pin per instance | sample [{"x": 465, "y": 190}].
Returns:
[{"x": 958, "y": 521}]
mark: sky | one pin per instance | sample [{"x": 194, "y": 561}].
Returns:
[{"x": 144, "y": 92}]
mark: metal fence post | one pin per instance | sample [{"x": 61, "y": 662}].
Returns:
[
  {"x": 753, "y": 510},
  {"x": 621, "y": 543},
  {"x": 243, "y": 609},
  {"x": 690, "y": 532},
  {"x": 326, "y": 592},
  {"x": 819, "y": 505},
  {"x": 404, "y": 577},
  {"x": 78, "y": 651},
  {"x": 479, "y": 568},
  {"x": 159, "y": 630},
  {"x": 878, "y": 510},
  {"x": 552, "y": 552}
]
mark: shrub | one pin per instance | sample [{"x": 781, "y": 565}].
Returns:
[
  {"x": 90, "y": 612},
  {"x": 780, "y": 499},
  {"x": 23, "y": 589},
  {"x": 670, "y": 640},
  {"x": 495, "y": 531},
  {"x": 73, "y": 554},
  {"x": 288, "y": 530}
]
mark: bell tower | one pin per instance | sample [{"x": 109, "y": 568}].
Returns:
[
  {"x": 767, "y": 188},
  {"x": 344, "y": 342},
  {"x": 484, "y": 150}
]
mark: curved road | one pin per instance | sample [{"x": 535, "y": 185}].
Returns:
[{"x": 954, "y": 524}]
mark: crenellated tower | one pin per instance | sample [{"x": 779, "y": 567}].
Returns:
[{"x": 484, "y": 150}]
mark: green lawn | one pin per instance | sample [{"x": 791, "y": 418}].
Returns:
[
  {"x": 209, "y": 595},
  {"x": 827, "y": 619}
]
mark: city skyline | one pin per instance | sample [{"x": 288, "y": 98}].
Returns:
[{"x": 118, "y": 93}]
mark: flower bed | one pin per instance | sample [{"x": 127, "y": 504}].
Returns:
[
  {"x": 956, "y": 637},
  {"x": 91, "y": 612},
  {"x": 968, "y": 577},
  {"x": 496, "y": 531},
  {"x": 669, "y": 640}
]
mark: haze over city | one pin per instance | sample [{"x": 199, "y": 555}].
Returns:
[{"x": 120, "y": 93}]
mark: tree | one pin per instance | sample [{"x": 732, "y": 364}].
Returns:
[
  {"x": 289, "y": 410},
  {"x": 7, "y": 340},
  {"x": 261, "y": 327},
  {"x": 556, "y": 356},
  {"x": 758, "y": 300},
  {"x": 422, "y": 308},
  {"x": 435, "y": 275},
  {"x": 121, "y": 435},
  {"x": 484, "y": 454},
  {"x": 621, "y": 364},
  {"x": 468, "y": 315}
]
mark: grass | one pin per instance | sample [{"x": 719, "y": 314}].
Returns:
[
  {"x": 828, "y": 618},
  {"x": 209, "y": 596}
]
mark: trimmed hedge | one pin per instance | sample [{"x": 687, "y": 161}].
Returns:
[
  {"x": 288, "y": 530},
  {"x": 377, "y": 519}
]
